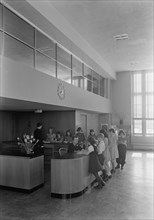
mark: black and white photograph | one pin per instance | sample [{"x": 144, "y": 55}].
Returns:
[{"x": 76, "y": 109}]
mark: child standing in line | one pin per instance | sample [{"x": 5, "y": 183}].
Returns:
[
  {"x": 113, "y": 148},
  {"x": 122, "y": 144},
  {"x": 94, "y": 163},
  {"x": 107, "y": 161},
  {"x": 101, "y": 156}
]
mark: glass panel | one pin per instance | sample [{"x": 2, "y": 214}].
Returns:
[
  {"x": 95, "y": 85},
  {"x": 87, "y": 72},
  {"x": 75, "y": 81},
  {"x": 149, "y": 127},
  {"x": 81, "y": 85},
  {"x": 63, "y": 73},
  {"x": 1, "y": 35},
  {"x": 138, "y": 126},
  {"x": 18, "y": 51},
  {"x": 77, "y": 78},
  {"x": 45, "y": 64},
  {"x": 63, "y": 57},
  {"x": 150, "y": 82},
  {"x": 106, "y": 88},
  {"x": 76, "y": 66},
  {"x": 87, "y": 84},
  {"x": 78, "y": 81},
  {"x": 18, "y": 27},
  {"x": 137, "y": 82},
  {"x": 137, "y": 106},
  {"x": 102, "y": 87},
  {"x": 45, "y": 45},
  {"x": 0, "y": 16},
  {"x": 95, "y": 79},
  {"x": 149, "y": 106}
]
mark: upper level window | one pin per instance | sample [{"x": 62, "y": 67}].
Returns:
[
  {"x": 45, "y": 64},
  {"x": 63, "y": 65},
  {"x": 76, "y": 66},
  {"x": 102, "y": 86},
  {"x": 77, "y": 75},
  {"x": 1, "y": 19},
  {"x": 95, "y": 79},
  {"x": 87, "y": 78},
  {"x": 63, "y": 57},
  {"x": 18, "y": 51},
  {"x": 17, "y": 27},
  {"x": 1, "y": 42},
  {"x": 45, "y": 45},
  {"x": 106, "y": 88}
]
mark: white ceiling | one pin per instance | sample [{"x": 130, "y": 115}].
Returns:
[{"x": 98, "y": 21}]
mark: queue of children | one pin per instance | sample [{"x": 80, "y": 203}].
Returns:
[
  {"x": 107, "y": 153},
  {"x": 107, "y": 150}
]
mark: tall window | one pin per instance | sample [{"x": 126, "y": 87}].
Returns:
[{"x": 143, "y": 103}]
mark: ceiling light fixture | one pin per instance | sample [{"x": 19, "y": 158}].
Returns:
[
  {"x": 121, "y": 37},
  {"x": 133, "y": 63},
  {"x": 38, "y": 111}
]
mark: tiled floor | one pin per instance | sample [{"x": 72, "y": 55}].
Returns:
[{"x": 128, "y": 195}]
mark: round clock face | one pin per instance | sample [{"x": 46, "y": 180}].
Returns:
[{"x": 61, "y": 91}]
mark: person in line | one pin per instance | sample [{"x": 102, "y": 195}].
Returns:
[
  {"x": 81, "y": 138},
  {"x": 94, "y": 163},
  {"x": 74, "y": 146},
  {"x": 113, "y": 148},
  {"x": 38, "y": 135},
  {"x": 104, "y": 127},
  {"x": 107, "y": 161},
  {"x": 91, "y": 135},
  {"x": 68, "y": 137},
  {"x": 122, "y": 146},
  {"x": 51, "y": 135},
  {"x": 100, "y": 151}
]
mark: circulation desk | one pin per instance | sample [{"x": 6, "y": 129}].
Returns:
[
  {"x": 70, "y": 176},
  {"x": 19, "y": 171},
  {"x": 52, "y": 148}
]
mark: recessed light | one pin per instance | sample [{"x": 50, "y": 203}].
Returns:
[
  {"x": 121, "y": 37},
  {"x": 134, "y": 63}
]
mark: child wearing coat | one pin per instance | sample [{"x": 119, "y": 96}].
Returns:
[
  {"x": 122, "y": 144},
  {"x": 107, "y": 161},
  {"x": 113, "y": 148},
  {"x": 94, "y": 163}
]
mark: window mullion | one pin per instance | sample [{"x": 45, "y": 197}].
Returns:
[{"x": 143, "y": 104}]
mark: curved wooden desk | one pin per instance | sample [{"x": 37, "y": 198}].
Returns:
[{"x": 70, "y": 177}]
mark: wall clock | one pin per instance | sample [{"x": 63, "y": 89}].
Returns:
[{"x": 61, "y": 91}]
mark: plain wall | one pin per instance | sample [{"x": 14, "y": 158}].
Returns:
[{"x": 121, "y": 98}]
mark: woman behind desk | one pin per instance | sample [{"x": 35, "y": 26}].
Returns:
[
  {"x": 38, "y": 135},
  {"x": 68, "y": 137},
  {"x": 51, "y": 135}
]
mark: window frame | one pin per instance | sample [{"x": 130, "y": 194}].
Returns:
[{"x": 144, "y": 118}]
